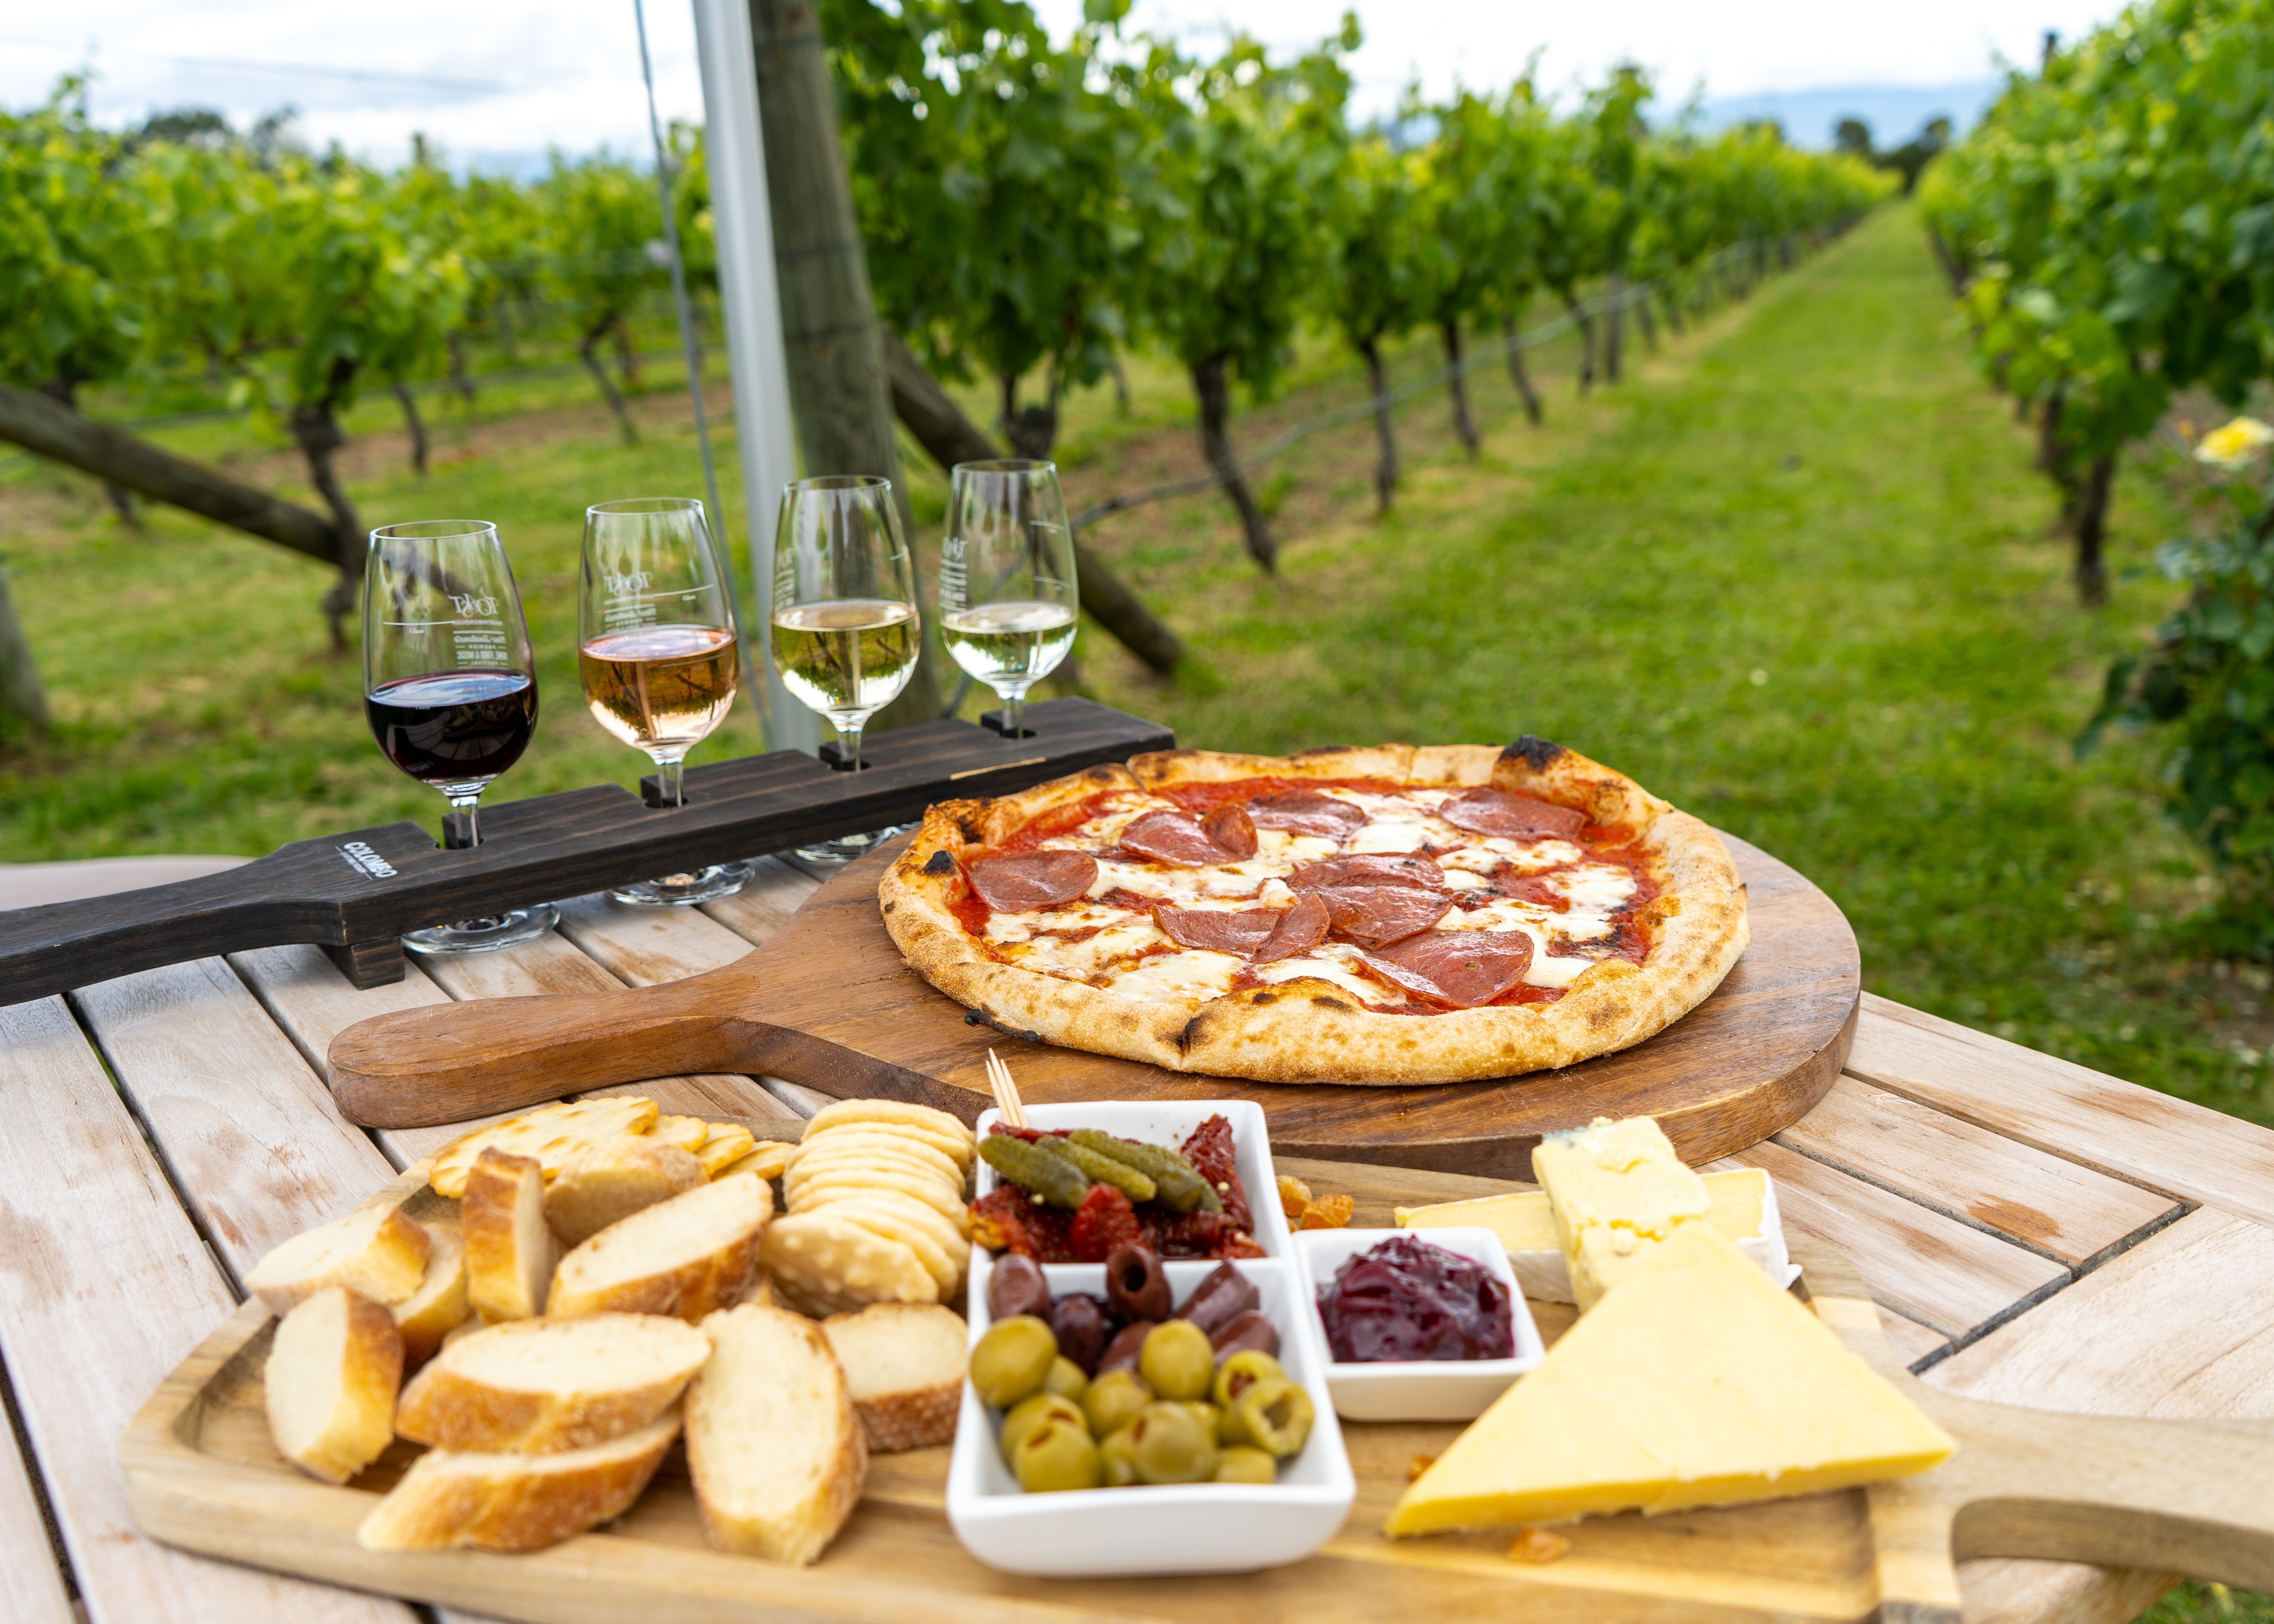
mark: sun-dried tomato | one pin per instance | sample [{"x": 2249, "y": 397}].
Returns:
[
  {"x": 1204, "y": 1235},
  {"x": 1215, "y": 1157},
  {"x": 1105, "y": 1220},
  {"x": 1007, "y": 1219}
]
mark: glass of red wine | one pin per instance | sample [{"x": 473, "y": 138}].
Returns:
[{"x": 450, "y": 687}]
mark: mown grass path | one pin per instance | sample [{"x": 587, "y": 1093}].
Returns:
[{"x": 1794, "y": 578}]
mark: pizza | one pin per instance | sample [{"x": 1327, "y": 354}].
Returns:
[{"x": 1383, "y": 916}]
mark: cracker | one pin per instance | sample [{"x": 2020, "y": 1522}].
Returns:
[
  {"x": 894, "y": 1224},
  {"x": 918, "y": 1214},
  {"x": 551, "y": 1133},
  {"x": 922, "y": 1186},
  {"x": 768, "y": 1159},
  {"x": 901, "y": 1113},
  {"x": 828, "y": 1259},
  {"x": 690, "y": 1133},
  {"x": 729, "y": 1143},
  {"x": 863, "y": 1140}
]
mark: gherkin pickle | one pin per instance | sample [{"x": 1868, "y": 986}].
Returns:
[
  {"x": 1171, "y": 1445},
  {"x": 1058, "y": 1456},
  {"x": 1181, "y": 1188},
  {"x": 1240, "y": 1464},
  {"x": 1105, "y": 1169},
  {"x": 1119, "y": 1451},
  {"x": 1012, "y": 1360},
  {"x": 1233, "y": 1375},
  {"x": 1272, "y": 1416},
  {"x": 1066, "y": 1379},
  {"x": 1113, "y": 1400},
  {"x": 1177, "y": 1361},
  {"x": 1036, "y": 1169},
  {"x": 1034, "y": 1411}
]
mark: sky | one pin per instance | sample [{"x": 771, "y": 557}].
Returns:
[{"x": 498, "y": 81}]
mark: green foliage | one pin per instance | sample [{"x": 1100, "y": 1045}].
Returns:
[
  {"x": 599, "y": 215},
  {"x": 70, "y": 248},
  {"x": 1380, "y": 283}
]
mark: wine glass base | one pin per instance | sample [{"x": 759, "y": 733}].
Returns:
[
  {"x": 847, "y": 847},
  {"x": 684, "y": 891},
  {"x": 487, "y": 934}
]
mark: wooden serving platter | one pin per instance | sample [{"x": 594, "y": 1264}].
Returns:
[
  {"x": 828, "y": 1003},
  {"x": 2192, "y": 1496}
]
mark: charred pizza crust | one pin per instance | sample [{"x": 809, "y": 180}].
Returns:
[{"x": 1309, "y": 1030}]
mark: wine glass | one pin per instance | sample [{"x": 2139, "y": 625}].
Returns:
[
  {"x": 846, "y": 629},
  {"x": 449, "y": 687},
  {"x": 658, "y": 654},
  {"x": 1007, "y": 603}
]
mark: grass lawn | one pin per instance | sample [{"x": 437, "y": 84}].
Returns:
[{"x": 1793, "y": 575}]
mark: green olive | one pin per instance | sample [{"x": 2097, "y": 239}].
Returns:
[
  {"x": 1272, "y": 1416},
  {"x": 1248, "y": 1365},
  {"x": 1207, "y": 1414},
  {"x": 1171, "y": 1445},
  {"x": 1057, "y": 1455},
  {"x": 1243, "y": 1464},
  {"x": 1066, "y": 1379},
  {"x": 1012, "y": 1360},
  {"x": 1118, "y": 1450},
  {"x": 1113, "y": 1400},
  {"x": 1177, "y": 1360},
  {"x": 1033, "y": 1412}
]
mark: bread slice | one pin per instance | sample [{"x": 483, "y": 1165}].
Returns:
[
  {"x": 440, "y": 1306},
  {"x": 728, "y": 1143},
  {"x": 772, "y": 1442},
  {"x": 515, "y": 1503},
  {"x": 686, "y": 1257},
  {"x": 903, "y": 1364},
  {"x": 611, "y": 1180},
  {"x": 530, "y": 1387},
  {"x": 374, "y": 1251},
  {"x": 333, "y": 1371},
  {"x": 551, "y": 1133},
  {"x": 510, "y": 1250}
]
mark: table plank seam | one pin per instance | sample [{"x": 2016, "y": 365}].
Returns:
[
  {"x": 21, "y": 1437},
  {"x": 1962, "y": 1341},
  {"x": 290, "y": 1029}
]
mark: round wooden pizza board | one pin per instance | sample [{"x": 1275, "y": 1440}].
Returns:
[{"x": 829, "y": 1004}]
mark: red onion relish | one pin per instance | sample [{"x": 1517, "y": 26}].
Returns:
[{"x": 1407, "y": 1299}]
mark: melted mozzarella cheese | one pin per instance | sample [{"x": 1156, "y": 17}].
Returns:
[
  {"x": 1192, "y": 976},
  {"x": 1331, "y": 961}
]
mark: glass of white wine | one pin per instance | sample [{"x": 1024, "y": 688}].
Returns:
[
  {"x": 1007, "y": 597},
  {"x": 846, "y": 629},
  {"x": 656, "y": 651}
]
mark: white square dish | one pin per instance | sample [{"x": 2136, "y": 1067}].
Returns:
[
  {"x": 1415, "y": 1389},
  {"x": 1199, "y": 1528}
]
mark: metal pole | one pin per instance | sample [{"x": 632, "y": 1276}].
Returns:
[{"x": 742, "y": 222}]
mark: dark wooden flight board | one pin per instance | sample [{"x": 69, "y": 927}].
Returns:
[
  {"x": 355, "y": 895},
  {"x": 828, "y": 1003}
]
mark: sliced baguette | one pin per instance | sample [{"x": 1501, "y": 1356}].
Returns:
[
  {"x": 374, "y": 1251},
  {"x": 605, "y": 1183},
  {"x": 510, "y": 1250},
  {"x": 440, "y": 1306},
  {"x": 551, "y": 1133},
  {"x": 903, "y": 1364},
  {"x": 515, "y": 1503},
  {"x": 772, "y": 1442},
  {"x": 687, "y": 1257},
  {"x": 329, "y": 1387},
  {"x": 531, "y": 1387}
]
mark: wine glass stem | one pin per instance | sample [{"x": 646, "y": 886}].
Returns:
[
  {"x": 670, "y": 776},
  {"x": 848, "y": 744},
  {"x": 469, "y": 806},
  {"x": 1015, "y": 706}
]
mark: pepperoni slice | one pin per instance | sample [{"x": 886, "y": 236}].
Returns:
[
  {"x": 1531, "y": 889},
  {"x": 1177, "y": 837},
  {"x": 1306, "y": 812},
  {"x": 1216, "y": 930},
  {"x": 1298, "y": 930},
  {"x": 1505, "y": 813},
  {"x": 1462, "y": 968},
  {"x": 1019, "y": 881},
  {"x": 1378, "y": 868},
  {"x": 1377, "y": 915},
  {"x": 1232, "y": 830}
]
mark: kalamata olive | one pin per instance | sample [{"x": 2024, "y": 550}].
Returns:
[
  {"x": 1177, "y": 1362},
  {"x": 1225, "y": 1293},
  {"x": 1253, "y": 1329},
  {"x": 1029, "y": 1413},
  {"x": 1113, "y": 1400},
  {"x": 1243, "y": 1464},
  {"x": 1066, "y": 1379},
  {"x": 1135, "y": 1288},
  {"x": 1012, "y": 1360},
  {"x": 1238, "y": 1369},
  {"x": 1017, "y": 1287},
  {"x": 1119, "y": 1451},
  {"x": 1274, "y": 1416},
  {"x": 1172, "y": 1446},
  {"x": 1058, "y": 1456},
  {"x": 1121, "y": 1353},
  {"x": 1079, "y": 1322}
]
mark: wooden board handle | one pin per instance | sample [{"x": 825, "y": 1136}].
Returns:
[{"x": 446, "y": 1062}]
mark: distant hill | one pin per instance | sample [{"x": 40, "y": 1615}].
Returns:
[{"x": 1893, "y": 111}]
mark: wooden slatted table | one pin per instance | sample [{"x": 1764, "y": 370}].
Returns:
[{"x": 2033, "y": 1232}]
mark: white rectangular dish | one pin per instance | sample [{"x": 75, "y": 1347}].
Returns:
[
  {"x": 1198, "y": 1528},
  {"x": 1415, "y": 1389}
]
